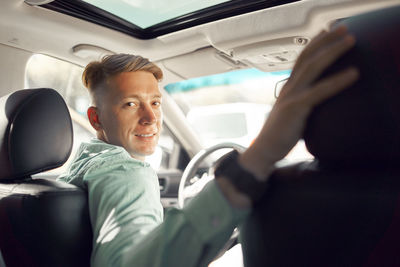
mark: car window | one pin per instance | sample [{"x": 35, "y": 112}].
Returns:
[
  {"x": 149, "y": 13},
  {"x": 152, "y": 18}
]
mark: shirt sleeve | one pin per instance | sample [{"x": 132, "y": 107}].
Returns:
[
  {"x": 128, "y": 231},
  {"x": 189, "y": 237}
]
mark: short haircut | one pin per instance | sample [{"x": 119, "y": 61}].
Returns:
[{"x": 97, "y": 73}]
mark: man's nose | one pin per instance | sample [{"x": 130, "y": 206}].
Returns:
[{"x": 147, "y": 115}]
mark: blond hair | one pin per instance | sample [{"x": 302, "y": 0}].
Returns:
[{"x": 97, "y": 73}]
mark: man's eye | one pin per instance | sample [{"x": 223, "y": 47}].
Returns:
[
  {"x": 156, "y": 103},
  {"x": 131, "y": 104}
]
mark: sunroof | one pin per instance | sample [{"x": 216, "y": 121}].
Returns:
[
  {"x": 146, "y": 19},
  {"x": 146, "y": 13}
]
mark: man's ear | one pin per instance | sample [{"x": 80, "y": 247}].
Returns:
[{"x": 93, "y": 117}]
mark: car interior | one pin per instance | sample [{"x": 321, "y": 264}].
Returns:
[{"x": 45, "y": 44}]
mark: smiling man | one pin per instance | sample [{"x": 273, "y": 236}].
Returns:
[
  {"x": 123, "y": 190},
  {"x": 129, "y": 111}
]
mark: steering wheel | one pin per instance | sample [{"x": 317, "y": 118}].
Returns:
[{"x": 194, "y": 164}]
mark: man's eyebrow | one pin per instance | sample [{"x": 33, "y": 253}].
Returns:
[{"x": 139, "y": 97}]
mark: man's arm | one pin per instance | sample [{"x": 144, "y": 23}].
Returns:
[
  {"x": 302, "y": 92},
  {"x": 128, "y": 231},
  {"x": 189, "y": 237}
]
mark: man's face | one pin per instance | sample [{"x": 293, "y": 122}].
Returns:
[{"x": 130, "y": 113}]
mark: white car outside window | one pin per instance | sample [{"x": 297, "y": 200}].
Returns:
[{"x": 234, "y": 122}]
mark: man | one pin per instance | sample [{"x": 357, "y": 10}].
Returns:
[{"x": 124, "y": 202}]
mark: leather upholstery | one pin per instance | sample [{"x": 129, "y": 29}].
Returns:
[
  {"x": 343, "y": 208},
  {"x": 362, "y": 124},
  {"x": 42, "y": 222},
  {"x": 36, "y": 133},
  {"x": 313, "y": 216}
]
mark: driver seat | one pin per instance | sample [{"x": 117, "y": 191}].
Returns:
[
  {"x": 343, "y": 208},
  {"x": 43, "y": 222}
]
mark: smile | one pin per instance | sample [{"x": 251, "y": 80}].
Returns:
[{"x": 145, "y": 135}]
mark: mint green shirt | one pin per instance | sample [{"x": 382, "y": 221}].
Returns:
[{"x": 127, "y": 216}]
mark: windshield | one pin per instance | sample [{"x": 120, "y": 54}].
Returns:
[{"x": 232, "y": 106}]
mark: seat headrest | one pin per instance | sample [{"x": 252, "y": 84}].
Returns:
[
  {"x": 362, "y": 123},
  {"x": 35, "y": 133}
]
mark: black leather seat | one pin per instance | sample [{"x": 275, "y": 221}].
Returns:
[
  {"x": 42, "y": 222},
  {"x": 343, "y": 208}
]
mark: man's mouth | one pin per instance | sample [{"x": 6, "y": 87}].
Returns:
[{"x": 145, "y": 135}]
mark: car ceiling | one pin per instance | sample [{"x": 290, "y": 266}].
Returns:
[
  {"x": 248, "y": 40},
  {"x": 268, "y": 39}
]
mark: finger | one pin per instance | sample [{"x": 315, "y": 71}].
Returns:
[
  {"x": 313, "y": 67},
  {"x": 331, "y": 86},
  {"x": 310, "y": 47},
  {"x": 322, "y": 39}
]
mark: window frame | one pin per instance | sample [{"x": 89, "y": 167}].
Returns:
[{"x": 88, "y": 12}]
